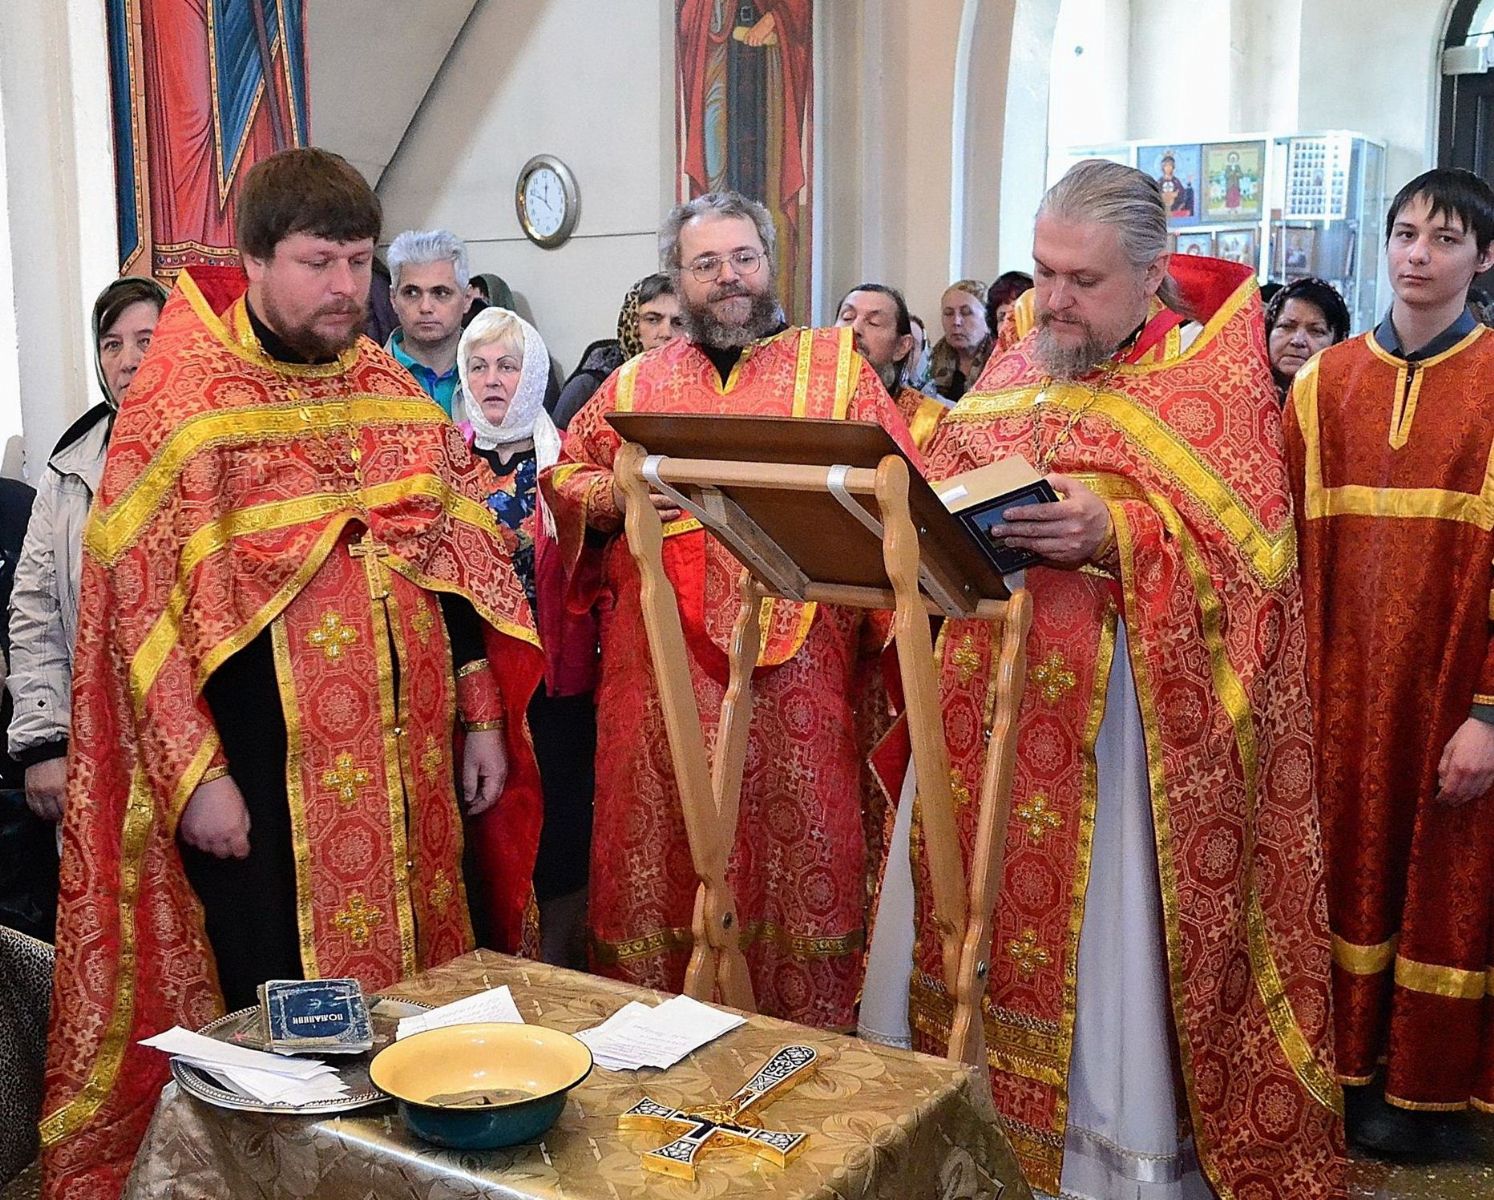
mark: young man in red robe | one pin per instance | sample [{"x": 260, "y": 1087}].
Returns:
[
  {"x": 1157, "y": 1017},
  {"x": 1391, "y": 441},
  {"x": 799, "y": 871},
  {"x": 292, "y": 590}
]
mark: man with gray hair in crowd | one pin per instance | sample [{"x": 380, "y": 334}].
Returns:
[
  {"x": 1157, "y": 1017},
  {"x": 800, "y": 865},
  {"x": 428, "y": 278}
]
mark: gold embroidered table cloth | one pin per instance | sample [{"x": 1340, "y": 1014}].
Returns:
[{"x": 884, "y": 1124}]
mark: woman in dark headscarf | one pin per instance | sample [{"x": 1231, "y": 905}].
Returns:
[{"x": 650, "y": 316}]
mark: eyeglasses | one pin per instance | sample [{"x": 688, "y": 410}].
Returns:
[{"x": 743, "y": 262}]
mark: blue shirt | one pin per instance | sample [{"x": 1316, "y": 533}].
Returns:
[
  {"x": 1390, "y": 340},
  {"x": 440, "y": 388}
]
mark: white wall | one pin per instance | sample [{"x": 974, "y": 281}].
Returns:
[
  {"x": 574, "y": 78},
  {"x": 1204, "y": 69},
  {"x": 60, "y": 221}
]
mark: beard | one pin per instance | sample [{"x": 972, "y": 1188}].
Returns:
[
  {"x": 704, "y": 328},
  {"x": 305, "y": 340},
  {"x": 1064, "y": 360}
]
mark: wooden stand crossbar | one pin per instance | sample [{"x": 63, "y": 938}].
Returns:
[{"x": 912, "y": 563}]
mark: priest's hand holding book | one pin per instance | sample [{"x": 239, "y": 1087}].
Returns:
[{"x": 1069, "y": 533}]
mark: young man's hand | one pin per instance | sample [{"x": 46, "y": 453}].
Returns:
[
  {"x": 46, "y": 782},
  {"x": 484, "y": 770},
  {"x": 216, "y": 820},
  {"x": 1466, "y": 771}
]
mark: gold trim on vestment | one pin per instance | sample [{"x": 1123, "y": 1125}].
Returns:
[
  {"x": 237, "y": 336},
  {"x": 1162, "y": 832},
  {"x": 113, "y": 528},
  {"x": 1403, "y": 407},
  {"x": 926, "y": 418},
  {"x": 1235, "y": 701},
  {"x": 285, "y": 681},
  {"x": 1426, "y": 1105},
  {"x": 1089, "y": 798},
  {"x": 845, "y": 384},
  {"x": 1364, "y": 960},
  {"x": 1372, "y": 344},
  {"x": 665, "y": 940},
  {"x": 627, "y": 376},
  {"x": 804, "y": 361},
  {"x": 1271, "y": 556},
  {"x": 1452, "y": 983},
  {"x": 1362, "y": 500},
  {"x": 398, "y": 780}
]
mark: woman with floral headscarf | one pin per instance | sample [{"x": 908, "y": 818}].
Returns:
[
  {"x": 504, "y": 365},
  {"x": 650, "y": 317}
]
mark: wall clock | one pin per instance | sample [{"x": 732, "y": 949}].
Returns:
[{"x": 547, "y": 201}]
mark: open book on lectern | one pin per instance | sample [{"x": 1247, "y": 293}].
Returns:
[{"x": 832, "y": 536}]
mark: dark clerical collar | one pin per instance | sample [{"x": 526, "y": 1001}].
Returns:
[
  {"x": 724, "y": 358},
  {"x": 1390, "y": 340},
  {"x": 274, "y": 345}
]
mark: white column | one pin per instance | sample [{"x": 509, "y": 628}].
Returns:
[{"x": 58, "y": 240}]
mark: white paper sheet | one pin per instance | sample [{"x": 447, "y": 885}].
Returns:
[
  {"x": 210, "y": 1052},
  {"x": 496, "y": 1004},
  {"x": 638, "y": 1036}
]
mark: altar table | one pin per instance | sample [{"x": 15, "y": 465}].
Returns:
[{"x": 886, "y": 1124}]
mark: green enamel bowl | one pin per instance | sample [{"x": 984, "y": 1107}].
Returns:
[{"x": 481, "y": 1086}]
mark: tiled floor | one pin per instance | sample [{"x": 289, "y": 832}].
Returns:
[{"x": 1468, "y": 1177}]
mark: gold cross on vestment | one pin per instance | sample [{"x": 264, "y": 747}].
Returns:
[
  {"x": 720, "y": 1123},
  {"x": 373, "y": 554},
  {"x": 358, "y": 919},
  {"x": 332, "y": 635},
  {"x": 347, "y": 779}
]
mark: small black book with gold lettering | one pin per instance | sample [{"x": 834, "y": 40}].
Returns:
[
  {"x": 980, "y": 497},
  {"x": 325, "y": 1016}
]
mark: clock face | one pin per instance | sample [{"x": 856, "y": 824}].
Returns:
[{"x": 544, "y": 202}]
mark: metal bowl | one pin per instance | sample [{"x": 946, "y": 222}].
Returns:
[{"x": 480, "y": 1086}]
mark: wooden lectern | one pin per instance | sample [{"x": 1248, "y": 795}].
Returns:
[{"x": 830, "y": 512}]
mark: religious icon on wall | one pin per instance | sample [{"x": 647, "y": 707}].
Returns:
[
  {"x": 1176, "y": 170},
  {"x": 745, "y": 118},
  {"x": 1233, "y": 173},
  {"x": 1297, "y": 250},
  {"x": 199, "y": 94},
  {"x": 1195, "y": 243},
  {"x": 1237, "y": 246}
]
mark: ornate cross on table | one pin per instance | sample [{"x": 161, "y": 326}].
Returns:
[
  {"x": 373, "y": 554},
  {"x": 721, "y": 1122}
]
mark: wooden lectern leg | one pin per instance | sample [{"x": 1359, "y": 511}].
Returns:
[
  {"x": 915, "y": 656},
  {"x": 967, "y": 1031},
  {"x": 717, "y": 930}
]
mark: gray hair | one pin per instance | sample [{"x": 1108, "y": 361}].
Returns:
[
  {"x": 415, "y": 247},
  {"x": 716, "y": 204},
  {"x": 1124, "y": 198}
]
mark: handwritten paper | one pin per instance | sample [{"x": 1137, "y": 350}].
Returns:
[{"x": 496, "y": 1004}]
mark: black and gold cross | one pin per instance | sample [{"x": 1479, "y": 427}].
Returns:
[{"x": 722, "y": 1123}]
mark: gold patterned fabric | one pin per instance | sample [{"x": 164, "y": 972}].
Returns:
[{"x": 882, "y": 1123}]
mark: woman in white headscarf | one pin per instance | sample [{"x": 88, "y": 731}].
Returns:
[{"x": 504, "y": 368}]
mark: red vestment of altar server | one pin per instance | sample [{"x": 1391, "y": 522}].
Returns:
[
  {"x": 234, "y": 491},
  {"x": 1393, "y": 465},
  {"x": 923, "y": 413},
  {"x": 1184, "y": 446},
  {"x": 800, "y": 869}
]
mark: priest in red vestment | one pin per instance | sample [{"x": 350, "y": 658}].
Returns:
[
  {"x": 292, "y": 591},
  {"x": 800, "y": 868},
  {"x": 1157, "y": 1020},
  {"x": 1391, "y": 441}
]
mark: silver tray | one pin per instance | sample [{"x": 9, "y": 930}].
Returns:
[{"x": 242, "y": 1028}]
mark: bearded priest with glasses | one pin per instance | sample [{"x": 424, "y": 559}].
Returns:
[{"x": 799, "y": 869}]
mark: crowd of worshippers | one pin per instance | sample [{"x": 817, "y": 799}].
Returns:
[{"x": 1251, "y": 812}]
